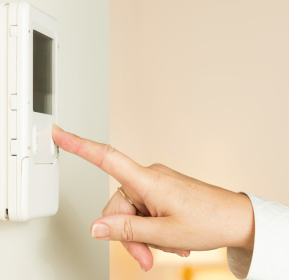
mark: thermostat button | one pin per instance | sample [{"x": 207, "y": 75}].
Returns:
[
  {"x": 13, "y": 147},
  {"x": 52, "y": 147},
  {"x": 35, "y": 140},
  {"x": 13, "y": 102},
  {"x": 13, "y": 31}
]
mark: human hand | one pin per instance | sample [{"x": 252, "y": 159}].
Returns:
[{"x": 182, "y": 214}]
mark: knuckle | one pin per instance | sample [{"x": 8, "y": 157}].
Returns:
[
  {"x": 107, "y": 150},
  {"x": 155, "y": 178},
  {"x": 127, "y": 231},
  {"x": 157, "y": 166}
]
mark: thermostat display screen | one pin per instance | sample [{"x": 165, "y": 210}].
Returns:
[{"x": 42, "y": 73}]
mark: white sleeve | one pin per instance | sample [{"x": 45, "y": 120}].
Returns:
[{"x": 270, "y": 258}]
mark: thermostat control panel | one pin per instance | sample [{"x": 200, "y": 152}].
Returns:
[{"x": 29, "y": 159}]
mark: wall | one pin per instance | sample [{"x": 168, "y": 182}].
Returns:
[
  {"x": 202, "y": 87},
  {"x": 61, "y": 247}
]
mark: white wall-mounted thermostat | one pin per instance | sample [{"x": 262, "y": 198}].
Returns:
[{"x": 29, "y": 164}]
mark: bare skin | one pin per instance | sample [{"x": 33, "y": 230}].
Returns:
[{"x": 182, "y": 214}]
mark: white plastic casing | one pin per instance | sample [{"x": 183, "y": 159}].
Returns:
[{"x": 29, "y": 164}]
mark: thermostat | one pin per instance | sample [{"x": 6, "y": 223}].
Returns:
[{"x": 29, "y": 159}]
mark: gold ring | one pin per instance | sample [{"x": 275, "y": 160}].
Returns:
[{"x": 138, "y": 213}]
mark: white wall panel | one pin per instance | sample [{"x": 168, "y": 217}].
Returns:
[{"x": 60, "y": 247}]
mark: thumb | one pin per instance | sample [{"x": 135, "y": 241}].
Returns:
[{"x": 123, "y": 227}]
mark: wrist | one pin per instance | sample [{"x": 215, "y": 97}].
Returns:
[{"x": 246, "y": 223}]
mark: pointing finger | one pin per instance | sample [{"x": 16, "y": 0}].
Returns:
[{"x": 111, "y": 161}]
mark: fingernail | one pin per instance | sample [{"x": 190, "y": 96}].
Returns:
[
  {"x": 142, "y": 269},
  {"x": 99, "y": 231},
  {"x": 57, "y": 128},
  {"x": 181, "y": 255}
]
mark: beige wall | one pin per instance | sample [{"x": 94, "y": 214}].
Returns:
[
  {"x": 202, "y": 86},
  {"x": 60, "y": 247}
]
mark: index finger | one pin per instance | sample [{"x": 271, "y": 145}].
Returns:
[{"x": 111, "y": 161}]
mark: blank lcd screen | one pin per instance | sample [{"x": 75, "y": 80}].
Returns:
[{"x": 42, "y": 73}]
